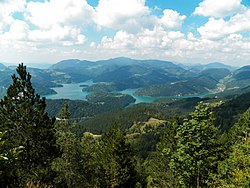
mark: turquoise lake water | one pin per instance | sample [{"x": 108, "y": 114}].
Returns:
[
  {"x": 70, "y": 91},
  {"x": 74, "y": 92}
]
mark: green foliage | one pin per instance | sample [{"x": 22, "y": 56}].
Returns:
[
  {"x": 125, "y": 117},
  {"x": 228, "y": 113},
  {"x": 241, "y": 130},
  {"x": 27, "y": 124},
  {"x": 117, "y": 160},
  {"x": 235, "y": 170},
  {"x": 193, "y": 86},
  {"x": 66, "y": 165},
  {"x": 191, "y": 152},
  {"x": 157, "y": 165},
  {"x": 8, "y": 159},
  {"x": 98, "y": 103},
  {"x": 78, "y": 161},
  {"x": 198, "y": 149}
]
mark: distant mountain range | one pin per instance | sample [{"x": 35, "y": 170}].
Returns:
[
  {"x": 153, "y": 77},
  {"x": 211, "y": 66}
]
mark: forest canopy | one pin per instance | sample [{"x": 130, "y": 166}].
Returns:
[{"x": 182, "y": 151}]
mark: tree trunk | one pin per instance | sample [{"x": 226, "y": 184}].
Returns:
[{"x": 198, "y": 179}]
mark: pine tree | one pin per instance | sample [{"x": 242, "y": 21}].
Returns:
[
  {"x": 117, "y": 162},
  {"x": 78, "y": 164},
  {"x": 8, "y": 161},
  {"x": 23, "y": 116},
  {"x": 157, "y": 164},
  {"x": 198, "y": 149},
  {"x": 67, "y": 165},
  {"x": 90, "y": 160}
]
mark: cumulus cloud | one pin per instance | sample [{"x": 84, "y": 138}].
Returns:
[
  {"x": 134, "y": 15},
  {"x": 48, "y": 13},
  {"x": 175, "y": 46},
  {"x": 66, "y": 35},
  {"x": 155, "y": 43},
  {"x": 172, "y": 19},
  {"x": 218, "y": 8},
  {"x": 219, "y": 28},
  {"x": 120, "y": 14},
  {"x": 18, "y": 31},
  {"x": 7, "y": 8},
  {"x": 58, "y": 23},
  {"x": 55, "y": 29}
]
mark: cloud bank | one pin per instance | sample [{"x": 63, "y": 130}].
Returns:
[{"x": 51, "y": 30}]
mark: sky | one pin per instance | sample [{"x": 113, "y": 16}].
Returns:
[{"x": 181, "y": 31}]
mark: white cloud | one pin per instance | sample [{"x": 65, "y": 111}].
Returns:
[
  {"x": 176, "y": 46},
  {"x": 68, "y": 36},
  {"x": 60, "y": 26},
  {"x": 48, "y": 13},
  {"x": 214, "y": 28},
  {"x": 172, "y": 19},
  {"x": 218, "y": 8},
  {"x": 59, "y": 23},
  {"x": 92, "y": 45},
  {"x": 1, "y": 28},
  {"x": 145, "y": 44},
  {"x": 219, "y": 28},
  {"x": 18, "y": 31},
  {"x": 7, "y": 8},
  {"x": 120, "y": 14}
]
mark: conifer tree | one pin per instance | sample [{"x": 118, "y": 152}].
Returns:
[
  {"x": 78, "y": 164},
  {"x": 66, "y": 166},
  {"x": 90, "y": 161},
  {"x": 8, "y": 161},
  {"x": 157, "y": 164},
  {"x": 23, "y": 116},
  {"x": 117, "y": 162}
]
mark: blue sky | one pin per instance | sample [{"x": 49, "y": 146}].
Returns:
[{"x": 183, "y": 31}]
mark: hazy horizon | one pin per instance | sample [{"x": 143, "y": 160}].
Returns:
[{"x": 47, "y": 65}]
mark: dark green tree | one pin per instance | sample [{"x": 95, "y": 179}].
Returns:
[
  {"x": 117, "y": 162},
  {"x": 8, "y": 160},
  {"x": 241, "y": 129},
  {"x": 90, "y": 160},
  {"x": 235, "y": 170},
  {"x": 157, "y": 165},
  {"x": 23, "y": 116},
  {"x": 198, "y": 149},
  {"x": 67, "y": 165},
  {"x": 78, "y": 164}
]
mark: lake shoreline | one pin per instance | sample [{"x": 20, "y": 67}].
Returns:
[{"x": 74, "y": 91}]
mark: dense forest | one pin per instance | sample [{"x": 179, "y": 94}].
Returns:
[{"x": 143, "y": 146}]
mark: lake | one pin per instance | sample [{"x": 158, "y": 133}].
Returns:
[
  {"x": 70, "y": 91},
  {"x": 74, "y": 92}
]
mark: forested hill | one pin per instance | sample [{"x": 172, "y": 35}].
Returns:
[
  {"x": 98, "y": 118},
  {"x": 153, "y": 77},
  {"x": 152, "y": 146},
  {"x": 97, "y": 103}
]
